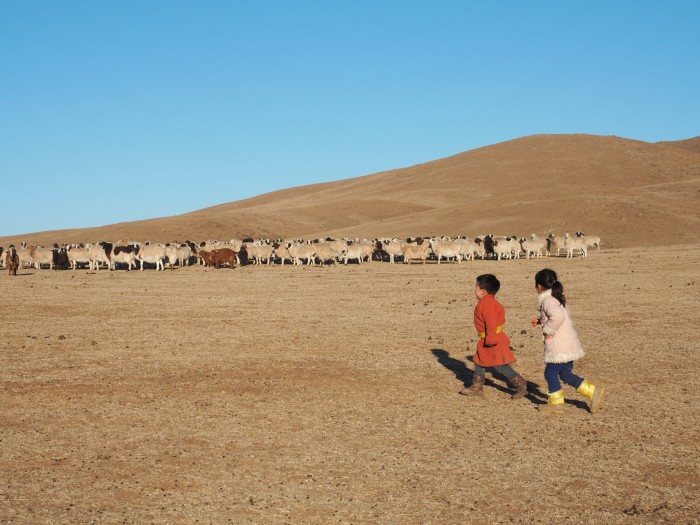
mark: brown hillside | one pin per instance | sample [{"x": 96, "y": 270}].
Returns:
[
  {"x": 631, "y": 193},
  {"x": 689, "y": 144}
]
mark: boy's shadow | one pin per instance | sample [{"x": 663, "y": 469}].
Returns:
[{"x": 463, "y": 374}]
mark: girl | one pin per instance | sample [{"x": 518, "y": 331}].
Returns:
[{"x": 561, "y": 345}]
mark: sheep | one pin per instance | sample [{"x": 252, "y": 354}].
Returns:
[
  {"x": 392, "y": 247},
  {"x": 41, "y": 255},
  {"x": 446, "y": 249},
  {"x": 467, "y": 249},
  {"x": 515, "y": 247},
  {"x": 480, "y": 248},
  {"x": 533, "y": 246},
  {"x": 367, "y": 248},
  {"x": 281, "y": 252},
  {"x": 591, "y": 240},
  {"x": 25, "y": 257},
  {"x": 153, "y": 253},
  {"x": 326, "y": 252},
  {"x": 184, "y": 253},
  {"x": 553, "y": 243},
  {"x": 420, "y": 250},
  {"x": 172, "y": 251},
  {"x": 125, "y": 254},
  {"x": 502, "y": 249},
  {"x": 337, "y": 244},
  {"x": 575, "y": 243},
  {"x": 358, "y": 249},
  {"x": 260, "y": 251},
  {"x": 319, "y": 251},
  {"x": 78, "y": 255},
  {"x": 508, "y": 247},
  {"x": 302, "y": 251},
  {"x": 352, "y": 251},
  {"x": 100, "y": 253}
]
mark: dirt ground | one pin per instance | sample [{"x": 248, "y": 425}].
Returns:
[{"x": 329, "y": 395}]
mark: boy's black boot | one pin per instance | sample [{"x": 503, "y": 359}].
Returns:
[
  {"x": 477, "y": 388},
  {"x": 520, "y": 385}
]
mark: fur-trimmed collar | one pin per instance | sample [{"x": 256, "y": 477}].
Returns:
[{"x": 541, "y": 297}]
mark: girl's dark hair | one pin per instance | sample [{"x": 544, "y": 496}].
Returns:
[{"x": 547, "y": 279}]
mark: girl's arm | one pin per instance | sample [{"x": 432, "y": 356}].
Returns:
[{"x": 554, "y": 314}]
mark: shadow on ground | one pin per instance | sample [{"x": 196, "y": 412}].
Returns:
[{"x": 464, "y": 374}]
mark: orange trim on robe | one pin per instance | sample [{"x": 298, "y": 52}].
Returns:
[{"x": 494, "y": 349}]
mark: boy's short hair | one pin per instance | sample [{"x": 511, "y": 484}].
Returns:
[{"x": 489, "y": 283}]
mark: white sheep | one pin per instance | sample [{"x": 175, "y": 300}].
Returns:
[
  {"x": 591, "y": 240},
  {"x": 259, "y": 252},
  {"x": 533, "y": 246},
  {"x": 467, "y": 248},
  {"x": 502, "y": 248},
  {"x": 421, "y": 250},
  {"x": 281, "y": 251},
  {"x": 326, "y": 252},
  {"x": 393, "y": 247},
  {"x": 553, "y": 243},
  {"x": 302, "y": 251},
  {"x": 575, "y": 243},
  {"x": 447, "y": 249}
]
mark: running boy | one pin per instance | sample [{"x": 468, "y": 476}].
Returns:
[{"x": 493, "y": 349}]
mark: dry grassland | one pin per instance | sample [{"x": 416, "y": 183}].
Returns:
[{"x": 329, "y": 395}]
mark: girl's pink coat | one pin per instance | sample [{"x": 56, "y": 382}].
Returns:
[{"x": 565, "y": 345}]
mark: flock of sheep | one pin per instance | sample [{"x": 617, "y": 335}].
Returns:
[{"x": 130, "y": 254}]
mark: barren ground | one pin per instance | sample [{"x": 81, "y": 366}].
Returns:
[{"x": 329, "y": 395}]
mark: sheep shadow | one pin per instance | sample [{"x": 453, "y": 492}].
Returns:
[{"x": 465, "y": 375}]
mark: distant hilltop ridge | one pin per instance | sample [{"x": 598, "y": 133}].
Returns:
[{"x": 629, "y": 192}]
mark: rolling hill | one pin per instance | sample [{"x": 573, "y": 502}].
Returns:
[{"x": 629, "y": 192}]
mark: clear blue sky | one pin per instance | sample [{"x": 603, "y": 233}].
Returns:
[{"x": 125, "y": 110}]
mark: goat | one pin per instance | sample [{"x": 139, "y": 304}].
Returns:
[{"x": 12, "y": 260}]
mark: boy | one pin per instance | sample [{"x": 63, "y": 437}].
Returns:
[{"x": 493, "y": 349}]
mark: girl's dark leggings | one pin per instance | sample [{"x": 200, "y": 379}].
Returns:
[
  {"x": 506, "y": 370},
  {"x": 564, "y": 371}
]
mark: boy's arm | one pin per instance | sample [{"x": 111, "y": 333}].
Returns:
[{"x": 491, "y": 322}]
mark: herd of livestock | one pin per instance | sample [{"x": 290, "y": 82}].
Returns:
[{"x": 132, "y": 255}]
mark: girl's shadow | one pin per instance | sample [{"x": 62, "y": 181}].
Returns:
[{"x": 463, "y": 374}]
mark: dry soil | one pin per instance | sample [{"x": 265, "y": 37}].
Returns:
[{"x": 329, "y": 395}]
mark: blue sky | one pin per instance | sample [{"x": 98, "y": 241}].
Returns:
[{"x": 120, "y": 111}]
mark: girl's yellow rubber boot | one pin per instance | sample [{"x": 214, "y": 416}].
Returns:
[
  {"x": 555, "y": 403},
  {"x": 593, "y": 393}
]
